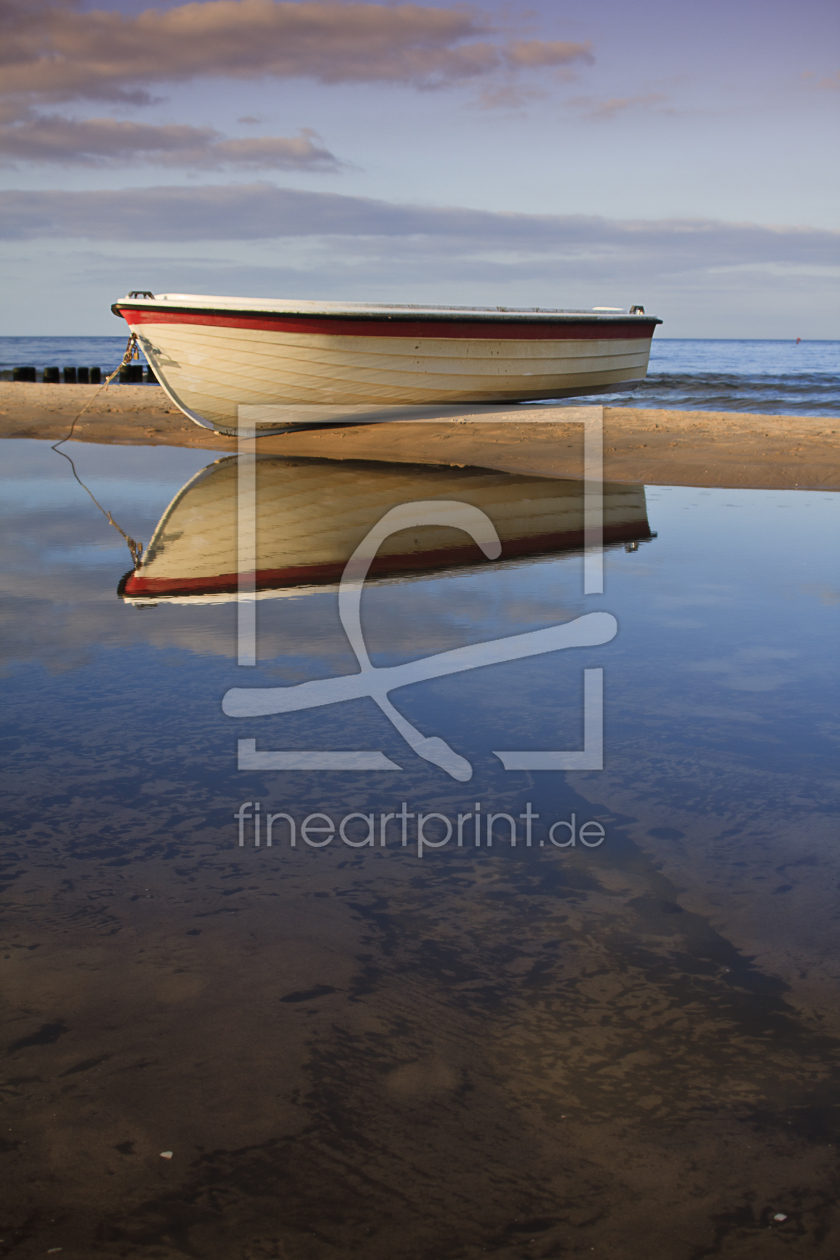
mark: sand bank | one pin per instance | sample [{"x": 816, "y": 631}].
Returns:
[{"x": 691, "y": 448}]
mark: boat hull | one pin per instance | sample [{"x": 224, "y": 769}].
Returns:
[{"x": 211, "y": 363}]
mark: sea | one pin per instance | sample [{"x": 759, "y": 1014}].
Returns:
[{"x": 691, "y": 374}]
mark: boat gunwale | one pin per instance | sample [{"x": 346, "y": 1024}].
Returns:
[
  {"x": 399, "y": 315},
  {"x": 426, "y": 327}
]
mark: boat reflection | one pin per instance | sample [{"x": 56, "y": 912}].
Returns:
[{"x": 312, "y": 514}]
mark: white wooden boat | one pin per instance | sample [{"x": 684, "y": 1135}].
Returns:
[
  {"x": 294, "y": 362},
  {"x": 312, "y": 514}
]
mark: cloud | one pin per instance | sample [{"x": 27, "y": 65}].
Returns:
[
  {"x": 830, "y": 83},
  {"x": 366, "y": 229},
  {"x": 104, "y": 141},
  {"x": 54, "y": 51},
  {"x": 540, "y": 52},
  {"x": 604, "y": 110},
  {"x": 509, "y": 96}
]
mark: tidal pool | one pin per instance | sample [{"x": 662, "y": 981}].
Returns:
[{"x": 620, "y": 1038}]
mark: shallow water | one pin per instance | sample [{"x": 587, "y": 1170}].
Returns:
[
  {"x": 767, "y": 377},
  {"x": 630, "y": 1048}
]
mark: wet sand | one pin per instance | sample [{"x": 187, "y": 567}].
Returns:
[{"x": 688, "y": 448}]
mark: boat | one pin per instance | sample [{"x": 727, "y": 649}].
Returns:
[
  {"x": 312, "y": 514},
  {"x": 231, "y": 363}
]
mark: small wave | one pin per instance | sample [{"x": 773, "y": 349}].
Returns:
[{"x": 806, "y": 394}]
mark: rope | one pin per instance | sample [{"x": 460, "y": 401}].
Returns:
[{"x": 131, "y": 352}]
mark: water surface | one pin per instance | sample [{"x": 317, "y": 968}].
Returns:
[{"x": 353, "y": 1050}]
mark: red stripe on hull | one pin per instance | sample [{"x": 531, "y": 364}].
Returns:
[
  {"x": 352, "y": 326},
  {"x": 315, "y": 574}
]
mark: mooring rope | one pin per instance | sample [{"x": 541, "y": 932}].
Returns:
[{"x": 131, "y": 352}]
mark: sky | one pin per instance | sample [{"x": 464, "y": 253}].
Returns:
[{"x": 677, "y": 156}]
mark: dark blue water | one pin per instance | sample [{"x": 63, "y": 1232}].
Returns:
[
  {"x": 629, "y": 1049},
  {"x": 768, "y": 377},
  {"x": 41, "y": 352}
]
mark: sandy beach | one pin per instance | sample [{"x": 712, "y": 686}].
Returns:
[{"x": 689, "y": 448}]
